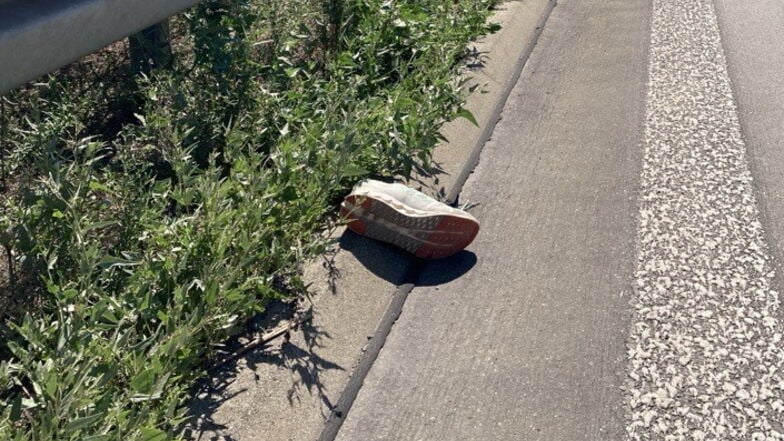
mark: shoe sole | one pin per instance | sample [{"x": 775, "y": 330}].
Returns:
[{"x": 426, "y": 236}]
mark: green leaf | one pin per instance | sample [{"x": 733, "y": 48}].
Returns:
[
  {"x": 289, "y": 194},
  {"x": 353, "y": 170},
  {"x": 81, "y": 423},
  {"x": 153, "y": 434},
  {"x": 51, "y": 381},
  {"x": 29, "y": 403},
  {"x": 465, "y": 113},
  {"x": 16, "y": 408},
  {"x": 97, "y": 438},
  {"x": 111, "y": 262},
  {"x": 97, "y": 186},
  {"x": 99, "y": 225}
]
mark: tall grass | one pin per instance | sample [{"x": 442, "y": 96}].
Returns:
[{"x": 149, "y": 218}]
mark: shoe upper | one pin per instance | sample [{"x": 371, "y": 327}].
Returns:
[{"x": 409, "y": 197}]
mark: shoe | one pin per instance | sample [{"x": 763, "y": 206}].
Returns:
[{"x": 409, "y": 219}]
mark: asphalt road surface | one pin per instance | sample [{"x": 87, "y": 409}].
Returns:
[{"x": 628, "y": 271}]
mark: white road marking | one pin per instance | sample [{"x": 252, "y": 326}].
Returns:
[{"x": 705, "y": 352}]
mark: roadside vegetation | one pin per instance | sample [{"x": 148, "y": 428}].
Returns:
[{"x": 145, "y": 219}]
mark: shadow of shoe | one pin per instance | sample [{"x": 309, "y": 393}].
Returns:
[
  {"x": 391, "y": 263},
  {"x": 439, "y": 272},
  {"x": 385, "y": 261}
]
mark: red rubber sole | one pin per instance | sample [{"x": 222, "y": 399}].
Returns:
[{"x": 427, "y": 237}]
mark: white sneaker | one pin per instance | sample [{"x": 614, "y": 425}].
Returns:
[{"x": 409, "y": 219}]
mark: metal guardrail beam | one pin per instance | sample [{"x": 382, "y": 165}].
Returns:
[{"x": 40, "y": 36}]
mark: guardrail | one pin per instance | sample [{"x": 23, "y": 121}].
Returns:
[{"x": 40, "y": 36}]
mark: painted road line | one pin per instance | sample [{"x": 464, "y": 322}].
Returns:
[{"x": 705, "y": 356}]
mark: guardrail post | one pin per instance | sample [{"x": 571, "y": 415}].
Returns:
[
  {"x": 2, "y": 143},
  {"x": 335, "y": 11},
  {"x": 4, "y": 241},
  {"x": 151, "y": 48}
]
